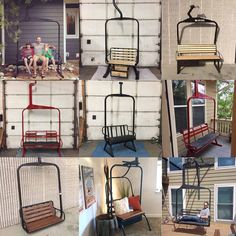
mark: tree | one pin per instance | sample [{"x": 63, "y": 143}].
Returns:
[
  {"x": 11, "y": 12},
  {"x": 225, "y": 92}
]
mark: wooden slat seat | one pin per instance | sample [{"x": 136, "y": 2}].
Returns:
[
  {"x": 43, "y": 223},
  {"x": 198, "y": 57},
  {"x": 197, "y": 52},
  {"x": 122, "y": 62},
  {"x": 119, "y": 60},
  {"x": 39, "y": 216},
  {"x": 200, "y": 137},
  {"x": 129, "y": 215}
]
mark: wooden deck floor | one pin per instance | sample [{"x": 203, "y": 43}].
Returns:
[
  {"x": 48, "y": 76},
  {"x": 216, "y": 229}
]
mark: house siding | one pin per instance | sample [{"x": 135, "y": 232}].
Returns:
[
  {"x": 72, "y": 46},
  {"x": 211, "y": 178},
  {"x": 47, "y": 30}
]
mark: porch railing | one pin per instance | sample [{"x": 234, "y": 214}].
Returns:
[{"x": 224, "y": 127}]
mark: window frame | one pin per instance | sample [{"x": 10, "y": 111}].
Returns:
[
  {"x": 189, "y": 94},
  {"x": 217, "y": 167},
  {"x": 170, "y": 196},
  {"x": 216, "y": 186},
  {"x": 76, "y": 35},
  {"x": 174, "y": 171}
]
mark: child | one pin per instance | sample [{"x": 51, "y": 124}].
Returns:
[
  {"x": 27, "y": 56},
  {"x": 47, "y": 52}
]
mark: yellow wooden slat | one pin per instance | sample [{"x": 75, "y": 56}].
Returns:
[
  {"x": 119, "y": 74},
  {"x": 122, "y": 62},
  {"x": 198, "y": 57}
]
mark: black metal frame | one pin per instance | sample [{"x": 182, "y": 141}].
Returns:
[
  {"x": 192, "y": 164},
  {"x": 39, "y": 163},
  {"x": 59, "y": 60},
  {"x": 198, "y": 20},
  {"x": 106, "y": 135},
  {"x": 128, "y": 165},
  {"x": 107, "y": 52}
]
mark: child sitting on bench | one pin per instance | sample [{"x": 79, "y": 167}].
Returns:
[
  {"x": 27, "y": 56},
  {"x": 47, "y": 52}
]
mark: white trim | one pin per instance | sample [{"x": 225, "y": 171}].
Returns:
[
  {"x": 3, "y": 37},
  {"x": 216, "y": 186},
  {"x": 159, "y": 177},
  {"x": 74, "y": 10},
  {"x": 174, "y": 171},
  {"x": 224, "y": 167},
  {"x": 64, "y": 30},
  {"x": 169, "y": 194},
  {"x": 169, "y": 90}
]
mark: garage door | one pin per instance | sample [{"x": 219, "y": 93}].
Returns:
[
  {"x": 93, "y": 16},
  {"x": 59, "y": 94},
  {"x": 147, "y": 113}
]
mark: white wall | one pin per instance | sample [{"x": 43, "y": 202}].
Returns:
[
  {"x": 148, "y": 106},
  {"x": 59, "y": 94},
  {"x": 93, "y": 16},
  {"x": 39, "y": 184},
  {"x": 87, "y": 216}
]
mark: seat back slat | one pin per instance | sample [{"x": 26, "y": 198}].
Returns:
[
  {"x": 194, "y": 132},
  {"x": 38, "y": 211}
]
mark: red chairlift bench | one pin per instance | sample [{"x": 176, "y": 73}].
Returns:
[
  {"x": 40, "y": 139},
  {"x": 200, "y": 136}
]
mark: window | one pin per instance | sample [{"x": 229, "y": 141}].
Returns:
[
  {"x": 72, "y": 22},
  {"x": 181, "y": 91},
  {"x": 180, "y": 104},
  {"x": 198, "y": 106},
  {"x": 226, "y": 162},
  {"x": 225, "y": 203},
  {"x": 173, "y": 201},
  {"x": 175, "y": 163}
]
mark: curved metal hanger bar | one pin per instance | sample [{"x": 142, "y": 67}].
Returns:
[
  {"x": 39, "y": 163},
  {"x": 197, "y": 20},
  {"x": 27, "y": 18},
  {"x": 121, "y": 94},
  {"x": 124, "y": 176},
  {"x": 117, "y": 8},
  {"x": 198, "y": 95},
  {"x": 106, "y": 34}
]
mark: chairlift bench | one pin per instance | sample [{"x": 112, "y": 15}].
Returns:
[
  {"x": 197, "y": 52},
  {"x": 39, "y": 216},
  {"x": 200, "y": 137}
]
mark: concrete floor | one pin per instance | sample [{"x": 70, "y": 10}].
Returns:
[
  {"x": 207, "y": 72},
  {"x": 141, "y": 229},
  {"x": 70, "y": 227},
  {"x": 88, "y": 147},
  {"x": 216, "y": 151},
  {"x": 86, "y": 72},
  {"x": 65, "y": 153},
  {"x": 216, "y": 229}
]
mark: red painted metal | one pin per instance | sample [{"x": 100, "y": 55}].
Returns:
[
  {"x": 198, "y": 95},
  {"x": 48, "y": 139}
]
